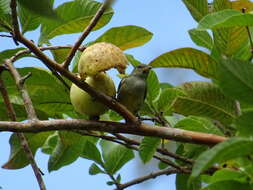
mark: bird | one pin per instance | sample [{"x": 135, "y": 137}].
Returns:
[{"x": 132, "y": 89}]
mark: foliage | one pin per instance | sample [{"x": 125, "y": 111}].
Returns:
[{"x": 222, "y": 107}]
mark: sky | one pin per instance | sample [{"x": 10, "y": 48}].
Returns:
[{"x": 169, "y": 21}]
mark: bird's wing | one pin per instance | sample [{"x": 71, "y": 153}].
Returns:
[
  {"x": 121, "y": 83},
  {"x": 146, "y": 91}
]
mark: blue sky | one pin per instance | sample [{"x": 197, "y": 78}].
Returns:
[{"x": 169, "y": 21}]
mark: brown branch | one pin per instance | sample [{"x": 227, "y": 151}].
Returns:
[
  {"x": 21, "y": 136},
  {"x": 9, "y": 108},
  {"x": 21, "y": 87},
  {"x": 6, "y": 36},
  {"x": 152, "y": 175},
  {"x": 26, "y": 51},
  {"x": 86, "y": 32},
  {"x": 114, "y": 127},
  {"x": 160, "y": 150}
]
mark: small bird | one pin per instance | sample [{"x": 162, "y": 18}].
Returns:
[{"x": 132, "y": 89}]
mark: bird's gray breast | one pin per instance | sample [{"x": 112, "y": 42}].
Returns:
[{"x": 136, "y": 86}]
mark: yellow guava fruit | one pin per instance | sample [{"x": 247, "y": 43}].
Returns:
[{"x": 101, "y": 57}]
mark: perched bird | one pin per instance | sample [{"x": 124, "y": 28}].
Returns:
[{"x": 132, "y": 89}]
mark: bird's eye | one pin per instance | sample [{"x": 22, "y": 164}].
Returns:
[{"x": 140, "y": 66}]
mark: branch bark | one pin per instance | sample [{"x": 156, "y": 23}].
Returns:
[
  {"x": 21, "y": 136},
  {"x": 21, "y": 87},
  {"x": 113, "y": 127},
  {"x": 152, "y": 175}
]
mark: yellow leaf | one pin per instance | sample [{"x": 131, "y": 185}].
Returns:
[{"x": 242, "y": 4}]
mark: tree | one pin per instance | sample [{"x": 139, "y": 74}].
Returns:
[{"x": 212, "y": 124}]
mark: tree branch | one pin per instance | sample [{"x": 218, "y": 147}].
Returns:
[
  {"x": 21, "y": 87},
  {"x": 26, "y": 51},
  {"x": 86, "y": 32},
  {"x": 152, "y": 175},
  {"x": 116, "y": 140},
  {"x": 21, "y": 136},
  {"x": 113, "y": 127},
  {"x": 160, "y": 150}
]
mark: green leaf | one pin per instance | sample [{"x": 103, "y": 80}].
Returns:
[
  {"x": 228, "y": 174},
  {"x": 28, "y": 20},
  {"x": 94, "y": 170},
  {"x": 126, "y": 37},
  {"x": 164, "y": 85},
  {"x": 225, "y": 18},
  {"x": 75, "y": 61},
  {"x": 5, "y": 16},
  {"x": 43, "y": 8},
  {"x": 50, "y": 143},
  {"x": 190, "y": 58},
  {"x": 91, "y": 152},
  {"x": 18, "y": 158},
  {"x": 75, "y": 16},
  {"x": 167, "y": 97},
  {"x": 5, "y": 23},
  {"x": 68, "y": 148},
  {"x": 227, "y": 185},
  {"x": 232, "y": 41},
  {"x": 153, "y": 86},
  {"x": 5, "y": 6},
  {"x": 148, "y": 148},
  {"x": 110, "y": 183},
  {"x": 47, "y": 93},
  {"x": 245, "y": 124},
  {"x": 227, "y": 150},
  {"x": 181, "y": 183},
  {"x": 197, "y": 8},
  {"x": 60, "y": 55},
  {"x": 206, "y": 100},
  {"x": 236, "y": 80},
  {"x": 8, "y": 53},
  {"x": 134, "y": 62},
  {"x": 201, "y": 38},
  {"x": 115, "y": 156},
  {"x": 193, "y": 123},
  {"x": 21, "y": 114}
]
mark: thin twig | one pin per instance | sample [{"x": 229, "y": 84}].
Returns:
[
  {"x": 238, "y": 107},
  {"x": 6, "y": 36},
  {"x": 21, "y": 87},
  {"x": 160, "y": 150},
  {"x": 21, "y": 136},
  {"x": 179, "y": 135},
  {"x": 86, "y": 32},
  {"x": 114, "y": 181},
  {"x": 115, "y": 140},
  {"x": 249, "y": 36},
  {"x": 152, "y": 175},
  {"x": 27, "y": 51}
]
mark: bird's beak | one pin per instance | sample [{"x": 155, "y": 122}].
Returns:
[{"x": 146, "y": 69}]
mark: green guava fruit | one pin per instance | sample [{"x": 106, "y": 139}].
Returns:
[{"x": 85, "y": 104}]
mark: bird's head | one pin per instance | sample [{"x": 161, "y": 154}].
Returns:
[{"x": 142, "y": 70}]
